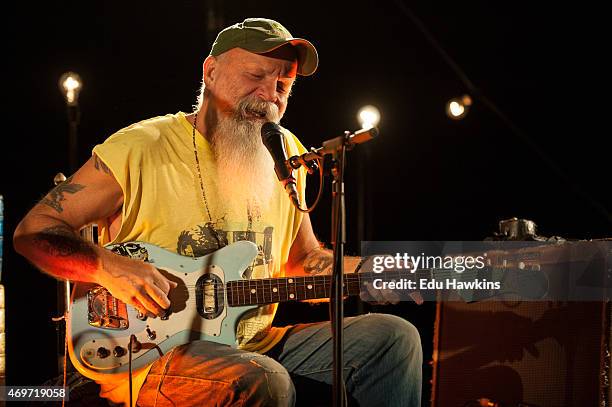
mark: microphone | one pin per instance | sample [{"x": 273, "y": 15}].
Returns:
[{"x": 273, "y": 138}]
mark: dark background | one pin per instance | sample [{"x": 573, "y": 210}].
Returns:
[{"x": 425, "y": 178}]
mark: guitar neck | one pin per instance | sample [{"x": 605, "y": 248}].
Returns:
[{"x": 272, "y": 290}]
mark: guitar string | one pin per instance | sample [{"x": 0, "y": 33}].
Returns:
[
  {"x": 326, "y": 278},
  {"x": 283, "y": 292},
  {"x": 247, "y": 285},
  {"x": 259, "y": 286},
  {"x": 243, "y": 288}
]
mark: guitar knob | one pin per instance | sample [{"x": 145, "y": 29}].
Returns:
[
  {"x": 102, "y": 352},
  {"x": 151, "y": 334},
  {"x": 166, "y": 315},
  {"x": 141, "y": 316},
  {"x": 119, "y": 351}
]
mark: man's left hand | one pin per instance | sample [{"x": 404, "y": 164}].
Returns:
[{"x": 381, "y": 296}]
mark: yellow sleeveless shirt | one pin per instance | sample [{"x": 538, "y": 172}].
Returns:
[{"x": 154, "y": 163}]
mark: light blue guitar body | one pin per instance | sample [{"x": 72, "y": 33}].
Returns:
[{"x": 99, "y": 326}]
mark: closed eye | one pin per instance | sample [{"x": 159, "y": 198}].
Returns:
[{"x": 283, "y": 87}]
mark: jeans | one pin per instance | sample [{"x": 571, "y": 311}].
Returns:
[{"x": 382, "y": 367}]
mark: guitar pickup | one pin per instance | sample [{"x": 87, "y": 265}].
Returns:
[
  {"x": 209, "y": 296},
  {"x": 105, "y": 311},
  {"x": 209, "y": 293}
]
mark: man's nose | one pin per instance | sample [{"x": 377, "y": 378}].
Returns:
[{"x": 267, "y": 91}]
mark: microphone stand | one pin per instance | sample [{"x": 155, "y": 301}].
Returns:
[
  {"x": 337, "y": 147},
  {"x": 337, "y": 300}
]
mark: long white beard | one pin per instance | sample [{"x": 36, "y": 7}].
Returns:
[{"x": 245, "y": 168}]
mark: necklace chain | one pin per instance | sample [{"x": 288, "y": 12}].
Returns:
[{"x": 197, "y": 160}]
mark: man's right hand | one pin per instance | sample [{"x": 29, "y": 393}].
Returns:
[{"x": 136, "y": 283}]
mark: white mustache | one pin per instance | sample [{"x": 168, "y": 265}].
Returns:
[{"x": 258, "y": 107}]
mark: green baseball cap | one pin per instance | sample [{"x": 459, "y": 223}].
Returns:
[{"x": 261, "y": 35}]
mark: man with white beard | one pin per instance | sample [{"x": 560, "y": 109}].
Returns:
[{"x": 193, "y": 183}]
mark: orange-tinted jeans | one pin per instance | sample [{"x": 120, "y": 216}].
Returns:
[{"x": 382, "y": 367}]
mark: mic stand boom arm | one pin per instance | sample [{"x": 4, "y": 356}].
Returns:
[{"x": 332, "y": 146}]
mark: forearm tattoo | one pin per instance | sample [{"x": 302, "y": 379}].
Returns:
[
  {"x": 62, "y": 241},
  {"x": 57, "y": 195},
  {"x": 67, "y": 252},
  {"x": 318, "y": 262},
  {"x": 100, "y": 166}
]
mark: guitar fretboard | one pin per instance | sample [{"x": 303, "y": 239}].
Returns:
[{"x": 272, "y": 290}]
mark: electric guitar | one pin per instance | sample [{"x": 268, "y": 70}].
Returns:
[{"x": 211, "y": 297}]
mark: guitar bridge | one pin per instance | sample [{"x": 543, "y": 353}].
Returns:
[{"x": 105, "y": 311}]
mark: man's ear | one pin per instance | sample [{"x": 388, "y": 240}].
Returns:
[{"x": 210, "y": 70}]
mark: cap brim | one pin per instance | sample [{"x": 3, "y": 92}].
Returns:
[
  {"x": 307, "y": 56},
  {"x": 308, "y": 59}
]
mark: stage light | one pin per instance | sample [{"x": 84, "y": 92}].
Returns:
[
  {"x": 368, "y": 116},
  {"x": 70, "y": 84},
  {"x": 457, "y": 108}
]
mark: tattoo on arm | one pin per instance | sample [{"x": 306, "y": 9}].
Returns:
[
  {"x": 56, "y": 196},
  {"x": 100, "y": 166},
  {"x": 62, "y": 241},
  {"x": 318, "y": 262}
]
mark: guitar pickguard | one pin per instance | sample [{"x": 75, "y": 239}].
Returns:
[{"x": 100, "y": 326}]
